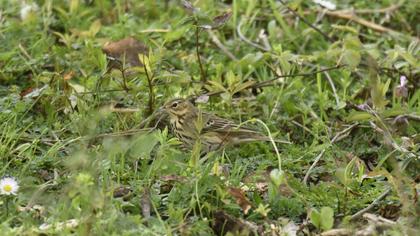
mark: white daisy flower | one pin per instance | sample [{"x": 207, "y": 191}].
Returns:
[
  {"x": 8, "y": 186},
  {"x": 27, "y": 9}
]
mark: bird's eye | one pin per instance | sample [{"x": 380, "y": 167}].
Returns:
[{"x": 174, "y": 105}]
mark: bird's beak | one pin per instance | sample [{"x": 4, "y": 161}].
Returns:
[{"x": 160, "y": 110}]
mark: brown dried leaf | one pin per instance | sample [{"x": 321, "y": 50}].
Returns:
[
  {"x": 125, "y": 51},
  {"x": 46, "y": 175},
  {"x": 26, "y": 92},
  {"x": 338, "y": 232},
  {"x": 241, "y": 199},
  {"x": 145, "y": 203},
  {"x": 173, "y": 178},
  {"x": 69, "y": 75},
  {"x": 123, "y": 191},
  {"x": 224, "y": 223},
  {"x": 189, "y": 6},
  {"x": 221, "y": 19},
  {"x": 33, "y": 93}
]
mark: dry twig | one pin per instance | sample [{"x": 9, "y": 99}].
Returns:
[
  {"x": 243, "y": 38},
  {"x": 222, "y": 47},
  {"x": 307, "y": 22}
]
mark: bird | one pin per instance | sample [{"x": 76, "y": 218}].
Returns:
[{"x": 191, "y": 125}]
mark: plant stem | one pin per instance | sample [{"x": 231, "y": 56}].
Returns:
[
  {"x": 125, "y": 87},
  {"x": 7, "y": 206},
  {"x": 150, "y": 85},
  {"x": 197, "y": 48}
]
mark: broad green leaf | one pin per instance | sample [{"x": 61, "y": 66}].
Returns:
[
  {"x": 352, "y": 42},
  {"x": 340, "y": 172},
  {"x": 410, "y": 59},
  {"x": 94, "y": 28},
  {"x": 243, "y": 86},
  {"x": 77, "y": 87},
  {"x": 351, "y": 58},
  {"x": 359, "y": 116},
  {"x": 277, "y": 176},
  {"x": 348, "y": 171},
  {"x": 143, "y": 145},
  {"x": 345, "y": 28},
  {"x": 315, "y": 218},
  {"x": 327, "y": 218}
]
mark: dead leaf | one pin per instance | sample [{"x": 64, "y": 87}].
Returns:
[
  {"x": 169, "y": 182},
  {"x": 69, "y": 75},
  {"x": 69, "y": 224},
  {"x": 189, "y": 6},
  {"x": 125, "y": 51},
  {"x": 36, "y": 211},
  {"x": 221, "y": 19},
  {"x": 145, "y": 203},
  {"x": 224, "y": 223},
  {"x": 26, "y": 92},
  {"x": 122, "y": 191},
  {"x": 173, "y": 178},
  {"x": 33, "y": 93},
  {"x": 390, "y": 211},
  {"x": 46, "y": 175},
  {"x": 241, "y": 199},
  {"x": 338, "y": 232}
]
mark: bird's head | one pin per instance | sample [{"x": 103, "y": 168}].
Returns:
[{"x": 179, "y": 107}]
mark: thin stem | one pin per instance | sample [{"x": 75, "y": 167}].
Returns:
[
  {"x": 197, "y": 48},
  {"x": 272, "y": 82},
  {"x": 307, "y": 22},
  {"x": 7, "y": 206},
  {"x": 338, "y": 136},
  {"x": 125, "y": 87},
  {"x": 269, "y": 136},
  {"x": 150, "y": 85},
  {"x": 373, "y": 204}
]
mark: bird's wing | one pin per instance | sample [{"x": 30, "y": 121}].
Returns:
[
  {"x": 218, "y": 124},
  {"x": 221, "y": 128}
]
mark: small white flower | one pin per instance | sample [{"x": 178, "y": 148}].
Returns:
[
  {"x": 8, "y": 186},
  {"x": 403, "y": 81},
  {"x": 27, "y": 9},
  {"x": 327, "y": 4}
]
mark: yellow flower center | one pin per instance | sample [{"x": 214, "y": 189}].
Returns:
[{"x": 7, "y": 188}]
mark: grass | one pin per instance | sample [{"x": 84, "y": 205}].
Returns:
[{"x": 64, "y": 120}]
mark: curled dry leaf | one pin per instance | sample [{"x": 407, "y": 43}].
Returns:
[
  {"x": 33, "y": 93},
  {"x": 121, "y": 191},
  {"x": 69, "y": 75},
  {"x": 125, "y": 51},
  {"x": 241, "y": 199},
  {"x": 189, "y": 6},
  {"x": 221, "y": 19},
  {"x": 26, "y": 92}
]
